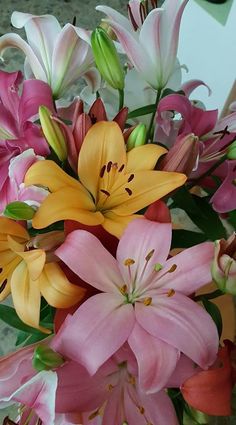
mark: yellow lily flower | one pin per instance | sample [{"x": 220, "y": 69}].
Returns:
[
  {"x": 25, "y": 274},
  {"x": 112, "y": 186}
]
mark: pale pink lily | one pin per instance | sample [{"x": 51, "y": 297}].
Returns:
[
  {"x": 17, "y": 131},
  {"x": 151, "y": 48},
  {"x": 14, "y": 188},
  {"x": 144, "y": 301},
  {"x": 55, "y": 55}
]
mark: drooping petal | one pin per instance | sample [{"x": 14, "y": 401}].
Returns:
[
  {"x": 192, "y": 272},
  {"x": 115, "y": 16},
  {"x": 156, "y": 359},
  {"x": 191, "y": 85},
  {"x": 103, "y": 143},
  {"x": 87, "y": 331},
  {"x": 115, "y": 224},
  {"x": 182, "y": 323},
  {"x": 147, "y": 243},
  {"x": 11, "y": 227},
  {"x": 35, "y": 261},
  {"x": 144, "y": 157},
  {"x": 79, "y": 248},
  {"x": 56, "y": 289}
]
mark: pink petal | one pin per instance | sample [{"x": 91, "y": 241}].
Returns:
[
  {"x": 191, "y": 85},
  {"x": 115, "y": 17},
  {"x": 9, "y": 84},
  {"x": 34, "y": 94},
  {"x": 140, "y": 238},
  {"x": 20, "y": 165},
  {"x": 182, "y": 323},
  {"x": 156, "y": 359},
  {"x": 100, "y": 325},
  {"x": 185, "y": 369},
  {"x": 33, "y": 139},
  {"x": 224, "y": 199},
  {"x": 92, "y": 79},
  {"x": 192, "y": 272},
  {"x": 79, "y": 248},
  {"x": 114, "y": 408}
]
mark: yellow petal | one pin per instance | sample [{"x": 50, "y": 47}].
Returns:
[
  {"x": 10, "y": 227},
  {"x": 26, "y": 297},
  {"x": 144, "y": 157},
  {"x": 14, "y": 245},
  {"x": 5, "y": 276},
  {"x": 116, "y": 224},
  {"x": 35, "y": 261},
  {"x": 50, "y": 175},
  {"x": 67, "y": 204},
  {"x": 56, "y": 288},
  {"x": 145, "y": 188},
  {"x": 103, "y": 143}
]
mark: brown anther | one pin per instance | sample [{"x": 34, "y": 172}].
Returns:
[
  {"x": 147, "y": 301},
  {"x": 123, "y": 289},
  {"x": 121, "y": 168},
  {"x": 3, "y": 286},
  {"x": 170, "y": 293},
  {"x": 129, "y": 262},
  {"x": 149, "y": 255},
  {"x": 132, "y": 380},
  {"x": 105, "y": 192},
  {"x": 131, "y": 177},
  {"x": 0, "y": 269},
  {"x": 141, "y": 409},
  {"x": 109, "y": 165},
  {"x": 110, "y": 387},
  {"x": 102, "y": 172},
  {"x": 131, "y": 17},
  {"x": 172, "y": 269},
  {"x": 93, "y": 415},
  {"x": 129, "y": 191}
]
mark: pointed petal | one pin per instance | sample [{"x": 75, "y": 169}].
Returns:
[
  {"x": 56, "y": 289},
  {"x": 15, "y": 41},
  {"x": 49, "y": 174},
  {"x": 192, "y": 272},
  {"x": 144, "y": 157},
  {"x": 34, "y": 94},
  {"x": 67, "y": 204},
  {"x": 103, "y": 143},
  {"x": 115, "y": 16},
  {"x": 115, "y": 224},
  {"x": 191, "y": 85},
  {"x": 35, "y": 261},
  {"x": 76, "y": 252},
  {"x": 91, "y": 336},
  {"x": 182, "y": 323},
  {"x": 141, "y": 238},
  {"x": 156, "y": 359}
]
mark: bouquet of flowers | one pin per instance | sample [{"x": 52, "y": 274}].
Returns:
[{"x": 118, "y": 207}]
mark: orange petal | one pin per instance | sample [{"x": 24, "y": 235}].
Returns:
[
  {"x": 116, "y": 224},
  {"x": 35, "y": 261},
  {"x": 56, "y": 288},
  {"x": 144, "y": 157},
  {"x": 11, "y": 227},
  {"x": 5, "y": 276}
]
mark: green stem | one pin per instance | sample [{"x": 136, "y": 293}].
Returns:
[
  {"x": 121, "y": 98},
  {"x": 209, "y": 296},
  {"x": 208, "y": 172},
  {"x": 149, "y": 131}
]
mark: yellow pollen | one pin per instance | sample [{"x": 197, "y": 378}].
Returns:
[
  {"x": 94, "y": 414},
  {"x": 170, "y": 293},
  {"x": 110, "y": 387},
  {"x": 132, "y": 380},
  {"x": 123, "y": 289},
  {"x": 150, "y": 254},
  {"x": 129, "y": 262},
  {"x": 141, "y": 409},
  {"x": 147, "y": 301},
  {"x": 172, "y": 269}
]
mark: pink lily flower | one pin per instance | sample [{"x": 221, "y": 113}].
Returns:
[
  {"x": 224, "y": 199},
  {"x": 149, "y": 40},
  {"x": 55, "y": 55},
  {"x": 144, "y": 300},
  {"x": 14, "y": 188},
  {"x": 17, "y": 131}
]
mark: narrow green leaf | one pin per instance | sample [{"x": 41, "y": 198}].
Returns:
[
  {"x": 9, "y": 316},
  {"x": 145, "y": 110}
]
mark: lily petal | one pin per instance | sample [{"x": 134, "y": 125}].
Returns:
[
  {"x": 115, "y": 224},
  {"x": 34, "y": 94},
  {"x": 144, "y": 157},
  {"x": 115, "y": 16}
]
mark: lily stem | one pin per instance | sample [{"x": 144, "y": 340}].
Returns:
[
  {"x": 149, "y": 131},
  {"x": 210, "y": 296},
  {"x": 208, "y": 172},
  {"x": 121, "y": 98}
]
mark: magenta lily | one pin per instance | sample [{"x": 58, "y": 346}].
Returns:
[
  {"x": 144, "y": 301},
  {"x": 151, "y": 46},
  {"x": 224, "y": 199},
  {"x": 55, "y": 55}
]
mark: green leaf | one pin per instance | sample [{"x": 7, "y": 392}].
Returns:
[
  {"x": 167, "y": 92},
  {"x": 145, "y": 110},
  {"x": 215, "y": 314},
  {"x": 19, "y": 211},
  {"x": 9, "y": 316},
  {"x": 186, "y": 238},
  {"x": 232, "y": 218}
]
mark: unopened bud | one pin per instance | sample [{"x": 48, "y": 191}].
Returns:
[
  {"x": 223, "y": 268},
  {"x": 137, "y": 137},
  {"x": 182, "y": 156},
  {"x": 53, "y": 133},
  {"x": 19, "y": 211},
  {"x": 231, "y": 152},
  {"x": 107, "y": 59},
  {"x": 45, "y": 358}
]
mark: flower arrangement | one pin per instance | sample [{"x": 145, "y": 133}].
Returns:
[{"x": 104, "y": 282}]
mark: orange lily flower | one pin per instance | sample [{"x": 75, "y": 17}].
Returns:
[
  {"x": 112, "y": 186},
  {"x": 26, "y": 274}
]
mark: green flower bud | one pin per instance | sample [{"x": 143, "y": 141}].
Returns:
[
  {"x": 137, "y": 137},
  {"x": 53, "y": 133},
  {"x": 107, "y": 59},
  {"x": 45, "y": 358},
  {"x": 19, "y": 211},
  {"x": 231, "y": 152}
]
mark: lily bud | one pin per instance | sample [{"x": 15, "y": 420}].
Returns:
[
  {"x": 45, "y": 358},
  {"x": 182, "y": 156},
  {"x": 137, "y": 137},
  {"x": 231, "y": 152},
  {"x": 19, "y": 211},
  {"x": 223, "y": 268},
  {"x": 107, "y": 59},
  {"x": 53, "y": 133}
]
